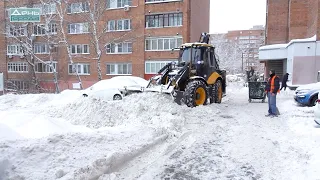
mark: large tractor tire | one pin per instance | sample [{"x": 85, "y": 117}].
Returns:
[
  {"x": 196, "y": 93},
  {"x": 217, "y": 92}
]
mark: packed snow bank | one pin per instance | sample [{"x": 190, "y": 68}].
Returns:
[
  {"x": 146, "y": 109},
  {"x": 38, "y": 101},
  {"x": 120, "y": 131},
  {"x": 74, "y": 156},
  {"x": 7, "y": 133},
  {"x": 27, "y": 125}
]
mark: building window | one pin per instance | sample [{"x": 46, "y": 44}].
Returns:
[
  {"x": 119, "y": 48},
  {"x": 14, "y": 50},
  {"x": 164, "y": 20},
  {"x": 40, "y": 29},
  {"x": 52, "y": 28},
  {"x": 46, "y": 8},
  {"x": 78, "y": 28},
  {"x": 17, "y": 85},
  {"x": 119, "y": 25},
  {"x": 16, "y": 31},
  {"x": 79, "y": 49},
  {"x": 162, "y": 44},
  {"x": 41, "y": 48},
  {"x": 46, "y": 67},
  {"x": 113, "y": 4},
  {"x": 82, "y": 69},
  {"x": 18, "y": 67},
  {"x": 119, "y": 68},
  {"x": 152, "y": 67},
  {"x": 78, "y": 7}
]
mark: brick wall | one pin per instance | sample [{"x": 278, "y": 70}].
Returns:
[
  {"x": 200, "y": 18},
  {"x": 277, "y": 21},
  {"x": 292, "y": 19},
  {"x": 298, "y": 19},
  {"x": 318, "y": 20},
  {"x": 312, "y": 18},
  {"x": 3, "y": 60}
]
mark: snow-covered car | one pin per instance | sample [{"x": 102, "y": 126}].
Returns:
[
  {"x": 105, "y": 94},
  {"x": 116, "y": 88},
  {"x": 232, "y": 78},
  {"x": 307, "y": 95},
  {"x": 317, "y": 110},
  {"x": 130, "y": 84}
]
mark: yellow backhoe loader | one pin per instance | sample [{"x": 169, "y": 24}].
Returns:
[{"x": 196, "y": 79}]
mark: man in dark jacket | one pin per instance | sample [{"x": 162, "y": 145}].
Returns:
[
  {"x": 272, "y": 88},
  {"x": 284, "y": 81}
]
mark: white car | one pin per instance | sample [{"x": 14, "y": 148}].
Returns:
[
  {"x": 130, "y": 84},
  {"x": 116, "y": 88},
  {"x": 317, "y": 111},
  {"x": 232, "y": 78},
  {"x": 105, "y": 94}
]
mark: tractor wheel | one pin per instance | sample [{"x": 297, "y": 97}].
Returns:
[
  {"x": 211, "y": 92},
  {"x": 195, "y": 93},
  {"x": 217, "y": 93}
]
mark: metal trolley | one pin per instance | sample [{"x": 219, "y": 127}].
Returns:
[{"x": 257, "y": 90}]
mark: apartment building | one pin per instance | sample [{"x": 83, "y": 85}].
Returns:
[
  {"x": 122, "y": 37},
  {"x": 292, "y": 38},
  {"x": 245, "y": 44},
  {"x": 249, "y": 42}
]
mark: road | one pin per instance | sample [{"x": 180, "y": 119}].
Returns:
[{"x": 236, "y": 142}]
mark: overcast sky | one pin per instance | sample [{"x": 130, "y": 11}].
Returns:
[{"x": 236, "y": 14}]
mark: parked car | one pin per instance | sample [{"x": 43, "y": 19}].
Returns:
[
  {"x": 317, "y": 110},
  {"x": 307, "y": 95},
  {"x": 130, "y": 84},
  {"x": 232, "y": 78},
  {"x": 116, "y": 88},
  {"x": 105, "y": 94}
]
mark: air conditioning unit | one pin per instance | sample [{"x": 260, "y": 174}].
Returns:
[
  {"x": 10, "y": 56},
  {"x": 126, "y": 7}
]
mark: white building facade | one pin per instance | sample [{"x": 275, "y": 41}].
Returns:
[{"x": 300, "y": 58}]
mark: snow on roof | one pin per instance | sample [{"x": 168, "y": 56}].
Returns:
[
  {"x": 283, "y": 46},
  {"x": 273, "y": 46},
  {"x": 313, "y": 38}
]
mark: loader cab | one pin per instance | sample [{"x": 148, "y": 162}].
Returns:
[{"x": 202, "y": 58}]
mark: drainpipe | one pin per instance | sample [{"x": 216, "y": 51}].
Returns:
[
  {"x": 288, "y": 21},
  {"x": 315, "y": 59}
]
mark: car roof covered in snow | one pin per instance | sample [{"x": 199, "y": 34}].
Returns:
[
  {"x": 312, "y": 86},
  {"x": 196, "y": 44},
  {"x": 119, "y": 82}
]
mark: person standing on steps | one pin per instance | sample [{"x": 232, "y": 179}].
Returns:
[
  {"x": 284, "y": 81},
  {"x": 272, "y": 89}
]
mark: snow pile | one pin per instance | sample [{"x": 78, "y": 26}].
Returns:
[
  {"x": 7, "y": 133},
  {"x": 28, "y": 125},
  {"x": 38, "y": 101},
  {"x": 73, "y": 156},
  {"x": 24, "y": 116},
  {"x": 148, "y": 136},
  {"x": 115, "y": 132},
  {"x": 150, "y": 109}
]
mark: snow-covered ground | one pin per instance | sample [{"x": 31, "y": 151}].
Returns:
[{"x": 147, "y": 136}]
